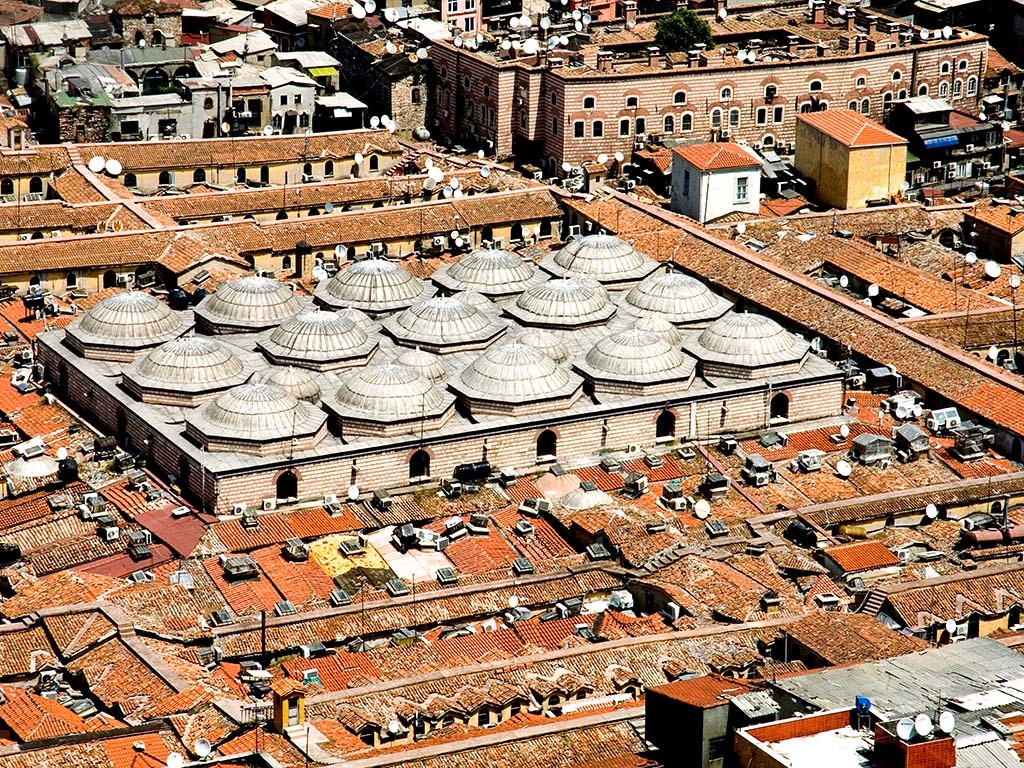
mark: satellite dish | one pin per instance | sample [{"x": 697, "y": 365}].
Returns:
[
  {"x": 429, "y": 184},
  {"x": 1014, "y": 282},
  {"x": 841, "y": 10},
  {"x": 741, "y": 55},
  {"x": 843, "y": 468},
  {"x": 428, "y": 163},
  {"x": 951, "y": 626},
  {"x": 931, "y": 511},
  {"x": 385, "y": 119},
  {"x": 741, "y": 228},
  {"x": 114, "y": 167},
  {"x": 947, "y": 722},
  {"x": 390, "y": 14},
  {"x": 141, "y": 43},
  {"x": 524, "y": 22},
  {"x": 358, "y": 11},
  {"x": 459, "y": 242},
  {"x": 340, "y": 251},
  {"x": 394, "y": 726},
  {"x": 422, "y": 52},
  {"x": 513, "y": 601},
  {"x": 268, "y": 130},
  {"x": 62, "y": 453},
  {"x": 723, "y": 14},
  {"x": 702, "y": 509},
  {"x": 619, "y": 157},
  {"x": 923, "y": 725},
  {"x": 319, "y": 274},
  {"x": 516, "y": 45},
  {"x": 485, "y": 172},
  {"x": 947, "y": 32},
  {"x": 446, "y": 192},
  {"x": 454, "y": 233},
  {"x": 751, "y": 56},
  {"x": 587, "y": 19},
  {"x": 436, "y": 174},
  {"x": 175, "y": 760},
  {"x": 577, "y": 15},
  {"x": 389, "y": 46},
  {"x": 872, "y": 290},
  {"x": 602, "y": 158},
  {"x": 567, "y": 166},
  {"x": 971, "y": 257},
  {"x": 563, "y": 40},
  {"x": 844, "y": 281},
  {"x": 454, "y": 183},
  {"x": 458, "y": 194},
  {"x": 992, "y": 269},
  {"x": 96, "y": 163},
  {"x": 358, "y": 158},
  {"x": 844, "y": 430},
  {"x": 924, "y": 34},
  {"x": 329, "y": 207},
  {"x": 202, "y": 748},
  {"x": 458, "y": 42},
  {"x": 904, "y": 186},
  {"x": 531, "y": 46},
  {"x": 545, "y": 23},
  {"x": 993, "y": 353},
  {"x": 374, "y": 122},
  {"x": 514, "y": 22},
  {"x": 353, "y": 492},
  {"x": 553, "y": 43},
  {"x": 905, "y": 729}
]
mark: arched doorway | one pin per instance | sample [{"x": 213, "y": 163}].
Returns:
[
  {"x": 779, "y": 406},
  {"x": 109, "y": 279},
  {"x": 665, "y": 427},
  {"x": 419, "y": 465},
  {"x": 287, "y": 485},
  {"x": 547, "y": 445}
]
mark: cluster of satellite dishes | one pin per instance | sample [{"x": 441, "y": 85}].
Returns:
[
  {"x": 945, "y": 33},
  {"x": 98, "y": 164},
  {"x": 435, "y": 182},
  {"x": 384, "y": 121},
  {"x": 202, "y": 749},
  {"x": 362, "y": 10},
  {"x": 469, "y": 43},
  {"x": 922, "y": 727}
]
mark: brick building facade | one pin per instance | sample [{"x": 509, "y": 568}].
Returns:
[{"x": 572, "y": 106}]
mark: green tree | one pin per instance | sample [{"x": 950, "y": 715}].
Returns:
[{"x": 680, "y": 31}]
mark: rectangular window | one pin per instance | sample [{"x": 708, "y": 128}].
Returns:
[
  {"x": 762, "y": 115},
  {"x": 641, "y": 125},
  {"x": 686, "y": 183},
  {"x": 577, "y": 129},
  {"x": 554, "y": 126},
  {"x": 470, "y": 23},
  {"x": 298, "y": 98},
  {"x": 778, "y": 114},
  {"x": 624, "y": 127},
  {"x": 741, "y": 189},
  {"x": 734, "y": 118},
  {"x": 453, "y": 6},
  {"x": 470, "y": 5},
  {"x": 284, "y": 99},
  {"x": 717, "y": 748}
]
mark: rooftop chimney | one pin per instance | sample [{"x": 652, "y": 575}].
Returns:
[
  {"x": 791, "y": 43},
  {"x": 851, "y": 20},
  {"x": 604, "y": 61},
  {"x": 629, "y": 12},
  {"x": 653, "y": 56},
  {"x": 871, "y": 21},
  {"x": 818, "y": 12}
]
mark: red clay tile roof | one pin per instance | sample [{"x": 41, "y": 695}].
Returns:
[
  {"x": 1001, "y": 217},
  {"x": 33, "y": 718},
  {"x": 862, "y": 556},
  {"x": 720, "y": 156},
  {"x": 851, "y": 128},
  {"x": 850, "y": 638},
  {"x": 704, "y": 692}
]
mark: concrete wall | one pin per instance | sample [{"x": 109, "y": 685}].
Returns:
[{"x": 711, "y": 194}]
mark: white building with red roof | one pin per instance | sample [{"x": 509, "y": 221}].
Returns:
[{"x": 712, "y": 180}]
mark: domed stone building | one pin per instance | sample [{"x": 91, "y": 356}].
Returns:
[
  {"x": 184, "y": 372},
  {"x": 319, "y": 340},
  {"x": 493, "y": 273},
  {"x": 247, "y": 304},
  {"x": 123, "y": 326},
  {"x": 607, "y": 259},
  {"x": 637, "y": 362},
  {"x": 443, "y": 325},
  {"x": 373, "y": 286}
]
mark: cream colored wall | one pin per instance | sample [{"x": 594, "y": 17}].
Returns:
[{"x": 875, "y": 173}]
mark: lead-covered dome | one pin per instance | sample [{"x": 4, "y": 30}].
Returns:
[
  {"x": 443, "y": 324},
  {"x": 247, "y": 304},
  {"x": 509, "y": 376},
  {"x": 256, "y": 418},
  {"x": 184, "y": 371},
  {"x": 676, "y": 297},
  {"x": 564, "y": 303},
  {"x": 747, "y": 345},
  {"x": 605, "y": 258},
  {"x": 492, "y": 272},
  {"x": 295, "y": 381},
  {"x": 659, "y": 325},
  {"x": 374, "y": 286},
  {"x": 387, "y": 399},
  {"x": 320, "y": 340},
  {"x": 634, "y": 361},
  {"x": 121, "y": 326},
  {"x": 546, "y": 342},
  {"x": 424, "y": 362}
]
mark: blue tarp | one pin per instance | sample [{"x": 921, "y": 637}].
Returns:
[{"x": 942, "y": 141}]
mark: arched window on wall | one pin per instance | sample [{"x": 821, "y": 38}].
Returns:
[
  {"x": 779, "y": 406},
  {"x": 665, "y": 426},
  {"x": 35, "y": 185},
  {"x": 419, "y": 465},
  {"x": 288, "y": 485},
  {"x": 547, "y": 445}
]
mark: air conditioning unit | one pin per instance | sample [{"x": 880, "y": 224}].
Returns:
[
  {"x": 239, "y": 509},
  {"x": 24, "y": 236},
  {"x": 937, "y": 164},
  {"x": 531, "y": 240},
  {"x": 499, "y": 242},
  {"x": 574, "y": 230},
  {"x": 54, "y": 233},
  {"x": 487, "y": 245},
  {"x": 724, "y": 133},
  {"x": 126, "y": 280},
  {"x": 630, "y": 184},
  {"x": 269, "y": 505},
  {"x": 439, "y": 241},
  {"x": 110, "y": 533},
  {"x": 331, "y": 504},
  {"x": 377, "y": 249},
  {"x": 672, "y": 611},
  {"x": 969, "y": 148},
  {"x": 245, "y": 115}
]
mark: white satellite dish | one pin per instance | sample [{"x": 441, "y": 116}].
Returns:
[
  {"x": 1014, "y": 282},
  {"x": 429, "y": 184},
  {"x": 436, "y": 174},
  {"x": 340, "y": 251},
  {"x": 513, "y": 601},
  {"x": 514, "y": 22},
  {"x": 751, "y": 56},
  {"x": 951, "y": 626},
  {"x": 389, "y": 46},
  {"x": 619, "y": 157},
  {"x": 843, "y": 468},
  {"x": 923, "y": 725},
  {"x": 577, "y": 15},
  {"x": 175, "y": 760},
  {"x": 524, "y": 22},
  {"x": 485, "y": 172},
  {"x": 905, "y": 729},
  {"x": 390, "y": 14},
  {"x": 993, "y": 353},
  {"x": 459, "y": 242},
  {"x": 587, "y": 19},
  {"x": 567, "y": 166},
  {"x": 924, "y": 34},
  {"x": 553, "y": 43},
  {"x": 422, "y": 53},
  {"x": 370, "y": 6},
  {"x": 454, "y": 182},
  {"x": 872, "y": 290},
  {"x": 113, "y": 167},
  {"x": 741, "y": 55},
  {"x": 458, "y": 42},
  {"x": 62, "y": 453},
  {"x": 992, "y": 269},
  {"x": 971, "y": 257},
  {"x": 702, "y": 509},
  {"x": 947, "y": 722},
  {"x": 844, "y": 281},
  {"x": 563, "y": 40},
  {"x": 385, "y": 119},
  {"x": 723, "y": 14},
  {"x": 931, "y": 511},
  {"x": 516, "y": 45},
  {"x": 458, "y": 194},
  {"x": 844, "y": 430},
  {"x": 545, "y": 23},
  {"x": 96, "y": 163},
  {"x": 268, "y": 130},
  {"x": 358, "y": 158},
  {"x": 428, "y": 163},
  {"x": 841, "y": 10},
  {"x": 353, "y": 492},
  {"x": 319, "y": 274},
  {"x": 446, "y": 192},
  {"x": 358, "y": 11},
  {"x": 202, "y": 748},
  {"x": 374, "y": 121},
  {"x": 531, "y": 46},
  {"x": 329, "y": 207},
  {"x": 602, "y": 158},
  {"x": 741, "y": 228},
  {"x": 394, "y": 726},
  {"x": 947, "y": 32},
  {"x": 453, "y": 234}
]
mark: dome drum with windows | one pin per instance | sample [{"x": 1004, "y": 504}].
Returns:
[
  {"x": 247, "y": 304},
  {"x": 744, "y": 345},
  {"x": 386, "y": 400},
  {"x": 123, "y": 326}
]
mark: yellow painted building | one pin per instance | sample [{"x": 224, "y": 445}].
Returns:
[{"x": 849, "y": 157}]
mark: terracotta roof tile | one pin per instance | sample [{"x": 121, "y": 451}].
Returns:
[
  {"x": 862, "y": 556},
  {"x": 850, "y": 638},
  {"x": 34, "y": 718},
  {"x": 851, "y": 128},
  {"x": 719, "y": 156},
  {"x": 704, "y": 692}
]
